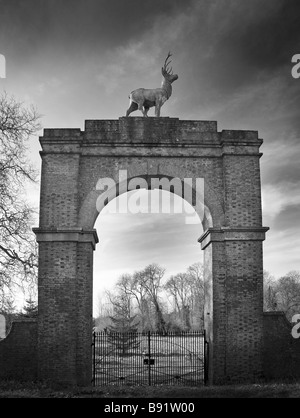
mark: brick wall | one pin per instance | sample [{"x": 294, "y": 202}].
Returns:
[
  {"x": 18, "y": 352},
  {"x": 281, "y": 350}
]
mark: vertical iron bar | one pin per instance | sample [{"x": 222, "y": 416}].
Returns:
[
  {"x": 179, "y": 340},
  {"x": 119, "y": 338},
  {"x": 205, "y": 358},
  {"x": 182, "y": 356},
  {"x": 205, "y": 349},
  {"x": 180, "y": 349},
  {"x": 196, "y": 350},
  {"x": 169, "y": 370},
  {"x": 149, "y": 356},
  {"x": 94, "y": 360},
  {"x": 130, "y": 355},
  {"x": 207, "y": 363},
  {"x": 172, "y": 362}
]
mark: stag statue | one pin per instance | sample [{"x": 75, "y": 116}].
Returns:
[{"x": 143, "y": 99}]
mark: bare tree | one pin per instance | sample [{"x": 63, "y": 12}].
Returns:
[
  {"x": 18, "y": 252},
  {"x": 288, "y": 294},
  {"x": 131, "y": 285},
  {"x": 196, "y": 282},
  {"x": 187, "y": 291},
  {"x": 179, "y": 288},
  {"x": 150, "y": 279},
  {"x": 117, "y": 300},
  {"x": 282, "y": 294},
  {"x": 270, "y": 292},
  {"x": 103, "y": 305}
]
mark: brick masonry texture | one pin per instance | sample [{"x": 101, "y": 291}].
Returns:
[
  {"x": 281, "y": 351},
  {"x": 73, "y": 161},
  {"x": 18, "y": 352}
]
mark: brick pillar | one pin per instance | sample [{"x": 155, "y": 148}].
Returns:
[
  {"x": 84, "y": 301},
  {"x": 215, "y": 306},
  {"x": 234, "y": 265},
  {"x": 234, "y": 302},
  {"x": 65, "y": 305}
]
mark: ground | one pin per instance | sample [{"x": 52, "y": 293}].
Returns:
[{"x": 9, "y": 389}]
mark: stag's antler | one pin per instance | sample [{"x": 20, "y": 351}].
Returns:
[{"x": 165, "y": 69}]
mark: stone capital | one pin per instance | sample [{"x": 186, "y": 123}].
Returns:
[
  {"x": 66, "y": 235},
  {"x": 232, "y": 234}
]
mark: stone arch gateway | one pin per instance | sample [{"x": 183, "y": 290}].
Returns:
[{"x": 72, "y": 163}]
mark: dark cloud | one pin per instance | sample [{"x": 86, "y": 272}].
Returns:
[
  {"x": 32, "y": 26},
  {"x": 231, "y": 44},
  {"x": 239, "y": 42},
  {"x": 267, "y": 41}
]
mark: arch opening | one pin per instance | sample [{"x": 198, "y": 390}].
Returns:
[{"x": 162, "y": 229}]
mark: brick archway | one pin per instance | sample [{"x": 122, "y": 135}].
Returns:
[{"x": 73, "y": 161}]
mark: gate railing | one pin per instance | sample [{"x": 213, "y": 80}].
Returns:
[{"x": 150, "y": 358}]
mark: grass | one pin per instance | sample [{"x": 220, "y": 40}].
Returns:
[{"x": 11, "y": 389}]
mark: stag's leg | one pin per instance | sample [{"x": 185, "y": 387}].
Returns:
[
  {"x": 157, "y": 110},
  {"x": 133, "y": 107},
  {"x": 146, "y": 109},
  {"x": 141, "y": 108}
]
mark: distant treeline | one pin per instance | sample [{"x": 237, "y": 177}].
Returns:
[
  {"x": 150, "y": 302},
  {"x": 156, "y": 304}
]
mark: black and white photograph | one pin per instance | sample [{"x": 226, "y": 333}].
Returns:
[{"x": 149, "y": 201}]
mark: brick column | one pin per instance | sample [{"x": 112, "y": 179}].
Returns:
[
  {"x": 65, "y": 305},
  {"x": 234, "y": 302}
]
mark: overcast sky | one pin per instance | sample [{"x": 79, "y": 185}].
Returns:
[{"x": 77, "y": 60}]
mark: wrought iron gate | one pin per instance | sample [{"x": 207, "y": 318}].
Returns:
[{"x": 150, "y": 358}]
